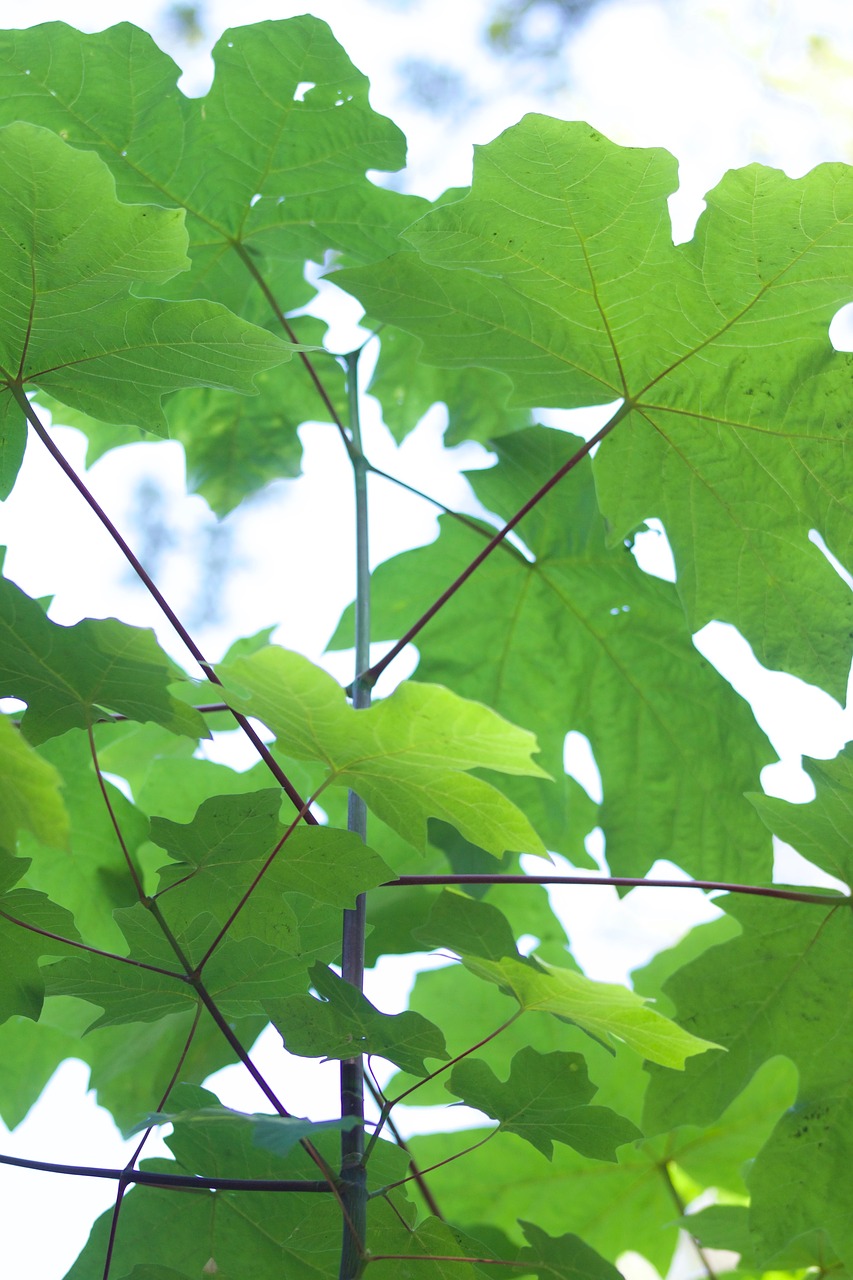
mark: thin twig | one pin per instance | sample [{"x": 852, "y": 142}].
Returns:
[{"x": 469, "y": 521}]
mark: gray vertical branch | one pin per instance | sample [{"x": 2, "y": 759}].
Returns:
[{"x": 353, "y": 1175}]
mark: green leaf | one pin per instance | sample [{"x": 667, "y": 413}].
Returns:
[
  {"x": 278, "y": 1134},
  {"x": 343, "y": 1023},
  {"x": 544, "y": 1101},
  {"x": 71, "y": 249},
  {"x": 234, "y": 444},
  {"x": 613, "y": 1207},
  {"x": 563, "y": 1258},
  {"x": 558, "y": 270},
  {"x": 820, "y": 831},
  {"x": 69, "y": 676},
  {"x": 408, "y": 756},
  {"x": 220, "y": 852},
  {"x": 801, "y": 1180},
  {"x": 296, "y": 1234},
  {"x": 406, "y": 387},
  {"x": 471, "y": 928},
  {"x": 580, "y": 639},
  {"x": 258, "y": 132},
  {"x": 88, "y": 873},
  {"x": 31, "y": 926},
  {"x": 785, "y": 992}
]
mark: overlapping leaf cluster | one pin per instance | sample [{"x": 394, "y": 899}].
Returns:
[{"x": 159, "y": 910}]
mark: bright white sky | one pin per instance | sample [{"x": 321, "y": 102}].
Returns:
[{"x": 719, "y": 84}]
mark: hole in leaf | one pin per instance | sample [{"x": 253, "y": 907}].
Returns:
[
  {"x": 120, "y": 784},
  {"x": 652, "y": 551},
  {"x": 301, "y": 89},
  {"x": 843, "y": 573},
  {"x": 579, "y": 763},
  {"x": 841, "y": 329}
]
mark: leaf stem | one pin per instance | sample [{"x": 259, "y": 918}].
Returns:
[
  {"x": 432, "y": 1167},
  {"x": 625, "y": 882},
  {"x": 138, "y": 568},
  {"x": 94, "y": 951},
  {"x": 268, "y": 861},
  {"x": 246, "y": 258},
  {"x": 680, "y": 1205},
  {"x": 181, "y": 1181},
  {"x": 390, "y": 1103},
  {"x": 137, "y": 880},
  {"x": 417, "y": 1174},
  {"x": 444, "y": 1257},
  {"x": 372, "y": 674},
  {"x": 445, "y": 1066},
  {"x": 469, "y": 521},
  {"x": 128, "y": 1169}
]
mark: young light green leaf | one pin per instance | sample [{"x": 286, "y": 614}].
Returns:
[
  {"x": 601, "y": 1008},
  {"x": 409, "y": 756},
  {"x": 30, "y": 792},
  {"x": 544, "y": 1101}
]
